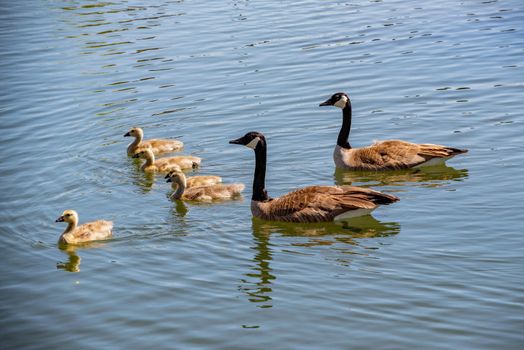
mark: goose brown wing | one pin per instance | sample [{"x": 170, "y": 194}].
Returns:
[
  {"x": 391, "y": 154},
  {"x": 321, "y": 203},
  {"x": 397, "y": 154}
]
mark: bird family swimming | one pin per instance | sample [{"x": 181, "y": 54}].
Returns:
[
  {"x": 158, "y": 146},
  {"x": 308, "y": 204},
  {"x": 382, "y": 155}
]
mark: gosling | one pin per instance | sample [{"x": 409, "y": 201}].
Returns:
[
  {"x": 158, "y": 146},
  {"x": 164, "y": 165},
  {"x": 200, "y": 180},
  {"x": 91, "y": 231},
  {"x": 202, "y": 193}
]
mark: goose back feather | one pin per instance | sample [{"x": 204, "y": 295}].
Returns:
[{"x": 320, "y": 203}]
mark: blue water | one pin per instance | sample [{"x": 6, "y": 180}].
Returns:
[{"x": 441, "y": 269}]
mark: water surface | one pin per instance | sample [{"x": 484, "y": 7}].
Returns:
[{"x": 441, "y": 269}]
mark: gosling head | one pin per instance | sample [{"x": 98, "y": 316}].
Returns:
[
  {"x": 69, "y": 216},
  {"x": 135, "y": 132},
  {"x": 252, "y": 139},
  {"x": 176, "y": 176},
  {"x": 144, "y": 154},
  {"x": 339, "y": 100}
]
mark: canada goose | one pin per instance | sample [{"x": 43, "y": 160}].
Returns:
[
  {"x": 382, "y": 155},
  {"x": 92, "y": 231},
  {"x": 202, "y": 193},
  {"x": 308, "y": 204},
  {"x": 157, "y": 145},
  {"x": 200, "y": 180},
  {"x": 166, "y": 164}
]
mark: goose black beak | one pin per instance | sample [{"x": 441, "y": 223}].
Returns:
[
  {"x": 326, "y": 103},
  {"x": 60, "y": 219},
  {"x": 127, "y": 134},
  {"x": 237, "y": 141},
  {"x": 169, "y": 180}
]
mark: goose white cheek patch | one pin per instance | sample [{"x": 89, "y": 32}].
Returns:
[
  {"x": 253, "y": 144},
  {"x": 342, "y": 102}
]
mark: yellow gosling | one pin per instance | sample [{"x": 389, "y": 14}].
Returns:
[
  {"x": 200, "y": 180},
  {"x": 202, "y": 193},
  {"x": 167, "y": 164},
  {"x": 91, "y": 231},
  {"x": 158, "y": 146}
]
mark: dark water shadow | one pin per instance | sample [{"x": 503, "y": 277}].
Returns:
[
  {"x": 256, "y": 283},
  {"x": 433, "y": 176}
]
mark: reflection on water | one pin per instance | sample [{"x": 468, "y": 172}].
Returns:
[
  {"x": 257, "y": 284},
  {"x": 434, "y": 176},
  {"x": 141, "y": 179},
  {"x": 73, "y": 262},
  {"x": 180, "y": 208}
]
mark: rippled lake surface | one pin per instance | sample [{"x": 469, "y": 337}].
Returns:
[{"x": 441, "y": 269}]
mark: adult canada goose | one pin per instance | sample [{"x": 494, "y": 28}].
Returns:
[
  {"x": 382, "y": 155},
  {"x": 202, "y": 193},
  {"x": 308, "y": 204},
  {"x": 166, "y": 164},
  {"x": 157, "y": 145},
  {"x": 91, "y": 231},
  {"x": 199, "y": 180}
]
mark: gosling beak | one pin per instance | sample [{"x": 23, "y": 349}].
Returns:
[
  {"x": 167, "y": 176},
  {"x": 136, "y": 155},
  {"x": 60, "y": 219},
  {"x": 237, "y": 141},
  {"x": 127, "y": 134},
  {"x": 326, "y": 103},
  {"x": 169, "y": 180}
]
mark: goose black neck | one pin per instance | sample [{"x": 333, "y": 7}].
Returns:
[
  {"x": 343, "y": 135},
  {"x": 259, "y": 180}
]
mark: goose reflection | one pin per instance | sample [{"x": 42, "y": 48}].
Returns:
[
  {"x": 434, "y": 176},
  {"x": 73, "y": 262},
  {"x": 256, "y": 284}
]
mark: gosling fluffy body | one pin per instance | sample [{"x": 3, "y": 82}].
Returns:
[
  {"x": 201, "y": 193},
  {"x": 91, "y": 231},
  {"x": 199, "y": 180},
  {"x": 382, "y": 155},
  {"x": 167, "y": 164},
  {"x": 308, "y": 204},
  {"x": 158, "y": 146}
]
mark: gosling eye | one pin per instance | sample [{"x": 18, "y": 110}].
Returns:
[{"x": 67, "y": 215}]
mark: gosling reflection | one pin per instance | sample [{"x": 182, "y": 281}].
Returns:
[
  {"x": 181, "y": 209},
  {"x": 257, "y": 283},
  {"x": 73, "y": 262},
  {"x": 433, "y": 176},
  {"x": 143, "y": 180}
]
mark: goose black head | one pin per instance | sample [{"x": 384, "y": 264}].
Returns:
[
  {"x": 251, "y": 139},
  {"x": 340, "y": 100}
]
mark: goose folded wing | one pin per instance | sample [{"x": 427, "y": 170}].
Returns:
[{"x": 322, "y": 201}]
